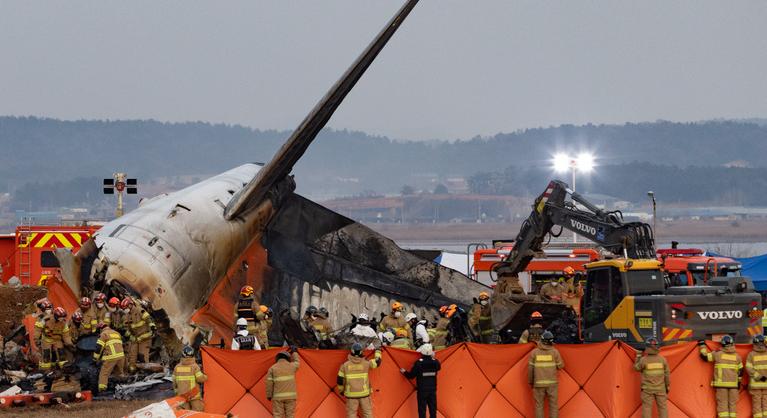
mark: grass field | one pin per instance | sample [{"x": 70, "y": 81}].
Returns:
[{"x": 101, "y": 409}]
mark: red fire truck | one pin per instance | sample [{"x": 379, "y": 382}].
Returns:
[
  {"x": 551, "y": 263},
  {"x": 28, "y": 254}
]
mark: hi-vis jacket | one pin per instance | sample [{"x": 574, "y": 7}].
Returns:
[
  {"x": 543, "y": 365},
  {"x": 353, "y": 380},
  {"x": 728, "y": 366}
]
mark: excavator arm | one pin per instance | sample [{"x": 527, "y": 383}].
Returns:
[{"x": 606, "y": 228}]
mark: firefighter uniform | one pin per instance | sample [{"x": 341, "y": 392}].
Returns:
[
  {"x": 281, "y": 386},
  {"x": 394, "y": 323},
  {"x": 532, "y": 334},
  {"x": 53, "y": 335},
  {"x": 655, "y": 381},
  {"x": 756, "y": 366},
  {"x": 402, "y": 342},
  {"x": 322, "y": 327},
  {"x": 110, "y": 354},
  {"x": 354, "y": 382},
  {"x": 87, "y": 327},
  {"x": 553, "y": 292},
  {"x": 481, "y": 322},
  {"x": 439, "y": 333},
  {"x": 573, "y": 295},
  {"x": 186, "y": 379},
  {"x": 262, "y": 330},
  {"x": 247, "y": 308},
  {"x": 542, "y": 367},
  {"x": 728, "y": 367},
  {"x": 140, "y": 327}
]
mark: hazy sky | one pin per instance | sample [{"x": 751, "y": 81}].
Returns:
[{"x": 455, "y": 69}]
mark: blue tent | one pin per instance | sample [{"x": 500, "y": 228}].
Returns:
[{"x": 753, "y": 267}]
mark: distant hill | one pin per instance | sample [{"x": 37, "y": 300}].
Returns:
[{"x": 346, "y": 162}]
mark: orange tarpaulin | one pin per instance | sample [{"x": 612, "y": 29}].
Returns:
[{"x": 476, "y": 380}]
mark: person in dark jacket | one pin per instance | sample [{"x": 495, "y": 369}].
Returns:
[{"x": 424, "y": 371}]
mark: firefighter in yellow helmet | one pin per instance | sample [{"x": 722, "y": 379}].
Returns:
[
  {"x": 438, "y": 334},
  {"x": 353, "y": 382},
  {"x": 263, "y": 325},
  {"x": 481, "y": 319},
  {"x": 281, "y": 384},
  {"x": 246, "y": 307},
  {"x": 109, "y": 353},
  {"x": 394, "y": 320},
  {"x": 542, "y": 367},
  {"x": 656, "y": 381},
  {"x": 728, "y": 368},
  {"x": 401, "y": 340},
  {"x": 756, "y": 366},
  {"x": 533, "y": 333},
  {"x": 187, "y": 377}
]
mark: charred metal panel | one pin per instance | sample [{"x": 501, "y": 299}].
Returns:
[{"x": 325, "y": 259}]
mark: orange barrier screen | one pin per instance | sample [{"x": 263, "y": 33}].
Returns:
[{"x": 476, "y": 380}]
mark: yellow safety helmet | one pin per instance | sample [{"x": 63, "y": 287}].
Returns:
[
  {"x": 401, "y": 332},
  {"x": 396, "y": 306},
  {"x": 263, "y": 308},
  {"x": 246, "y": 291},
  {"x": 483, "y": 295},
  {"x": 451, "y": 310}
]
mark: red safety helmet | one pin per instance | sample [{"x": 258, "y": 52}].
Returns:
[
  {"x": 41, "y": 302},
  {"x": 246, "y": 291},
  {"x": 45, "y": 305},
  {"x": 126, "y": 303},
  {"x": 114, "y": 302},
  {"x": 536, "y": 315},
  {"x": 59, "y": 312},
  {"x": 77, "y": 317},
  {"x": 100, "y": 298},
  {"x": 85, "y": 303},
  {"x": 569, "y": 271}
]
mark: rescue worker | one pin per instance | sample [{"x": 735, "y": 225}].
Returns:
[
  {"x": 109, "y": 353},
  {"x": 481, "y": 319},
  {"x": 76, "y": 326},
  {"x": 573, "y": 290},
  {"x": 394, "y": 320},
  {"x": 246, "y": 307},
  {"x": 656, "y": 381},
  {"x": 424, "y": 371},
  {"x": 43, "y": 308},
  {"x": 533, "y": 333},
  {"x": 281, "y": 384},
  {"x": 89, "y": 323},
  {"x": 100, "y": 311},
  {"x": 439, "y": 331},
  {"x": 113, "y": 305},
  {"x": 353, "y": 382},
  {"x": 542, "y": 367},
  {"x": 420, "y": 335},
  {"x": 53, "y": 334},
  {"x": 756, "y": 366},
  {"x": 187, "y": 377},
  {"x": 242, "y": 340},
  {"x": 141, "y": 329},
  {"x": 728, "y": 367},
  {"x": 310, "y": 315},
  {"x": 363, "y": 333},
  {"x": 323, "y": 328},
  {"x": 553, "y": 291},
  {"x": 401, "y": 340},
  {"x": 263, "y": 325}
]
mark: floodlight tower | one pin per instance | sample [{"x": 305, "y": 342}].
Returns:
[
  {"x": 583, "y": 162},
  {"x": 121, "y": 183}
]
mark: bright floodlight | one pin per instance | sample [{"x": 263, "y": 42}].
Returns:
[
  {"x": 561, "y": 163},
  {"x": 584, "y": 162}
]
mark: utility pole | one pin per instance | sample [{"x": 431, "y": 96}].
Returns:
[{"x": 651, "y": 195}]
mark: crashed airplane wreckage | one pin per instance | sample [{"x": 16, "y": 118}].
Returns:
[{"x": 187, "y": 253}]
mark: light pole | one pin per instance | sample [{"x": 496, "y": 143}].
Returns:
[
  {"x": 651, "y": 195},
  {"x": 583, "y": 162}
]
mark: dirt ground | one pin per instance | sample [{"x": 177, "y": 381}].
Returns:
[
  {"x": 13, "y": 303},
  {"x": 100, "y": 409}
]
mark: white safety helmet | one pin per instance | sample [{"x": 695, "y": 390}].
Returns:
[
  {"x": 364, "y": 317},
  {"x": 409, "y": 317},
  {"x": 426, "y": 349},
  {"x": 242, "y": 322}
]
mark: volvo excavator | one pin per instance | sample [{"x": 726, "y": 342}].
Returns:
[{"x": 627, "y": 296}]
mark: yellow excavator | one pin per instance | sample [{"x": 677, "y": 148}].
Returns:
[{"x": 627, "y": 297}]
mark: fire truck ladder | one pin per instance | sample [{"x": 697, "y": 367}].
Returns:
[{"x": 25, "y": 251}]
